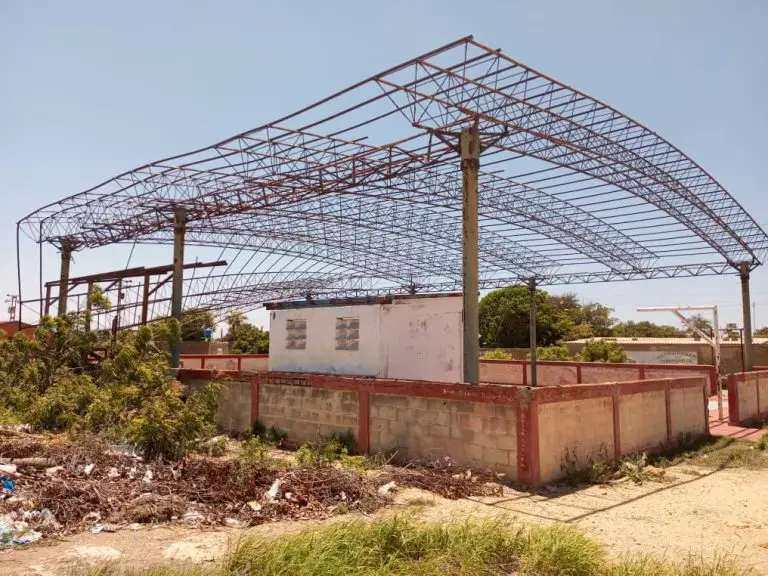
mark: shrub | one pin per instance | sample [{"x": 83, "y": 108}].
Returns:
[
  {"x": 326, "y": 450},
  {"x": 603, "y": 351},
  {"x": 497, "y": 354},
  {"x": 557, "y": 353}
]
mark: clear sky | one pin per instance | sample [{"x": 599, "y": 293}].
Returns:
[{"x": 89, "y": 89}]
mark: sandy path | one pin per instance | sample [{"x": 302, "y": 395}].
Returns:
[{"x": 714, "y": 512}]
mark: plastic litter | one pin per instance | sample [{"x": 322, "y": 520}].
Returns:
[
  {"x": 13, "y": 532},
  {"x": 147, "y": 480},
  {"x": 232, "y": 523},
  {"x": 88, "y": 469},
  {"x": 53, "y": 470},
  {"x": 113, "y": 473},
  {"x": 9, "y": 469},
  {"x": 192, "y": 517},
  {"x": 255, "y": 506},
  {"x": 387, "y": 488},
  {"x": 271, "y": 494},
  {"x": 7, "y": 484},
  {"x": 96, "y": 528}
]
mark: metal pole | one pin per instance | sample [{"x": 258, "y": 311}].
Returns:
[
  {"x": 716, "y": 346},
  {"x": 145, "y": 301},
  {"x": 746, "y": 303},
  {"x": 179, "y": 228},
  {"x": 469, "y": 145},
  {"x": 88, "y": 307},
  {"x": 532, "y": 323},
  {"x": 66, "y": 257}
]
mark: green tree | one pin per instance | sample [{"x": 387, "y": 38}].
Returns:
[
  {"x": 732, "y": 332},
  {"x": 762, "y": 332},
  {"x": 194, "y": 323},
  {"x": 244, "y": 337},
  {"x": 505, "y": 315},
  {"x": 557, "y": 353},
  {"x": 645, "y": 329},
  {"x": 603, "y": 351},
  {"x": 702, "y": 324}
]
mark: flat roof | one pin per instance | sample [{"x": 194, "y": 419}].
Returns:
[
  {"x": 663, "y": 341},
  {"x": 354, "y": 301}
]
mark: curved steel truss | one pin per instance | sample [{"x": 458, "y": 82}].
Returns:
[{"x": 361, "y": 192}]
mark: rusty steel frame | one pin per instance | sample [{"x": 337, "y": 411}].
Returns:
[{"x": 361, "y": 193}]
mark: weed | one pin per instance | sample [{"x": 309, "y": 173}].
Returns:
[
  {"x": 272, "y": 434},
  {"x": 218, "y": 448},
  {"x": 255, "y": 451},
  {"x": 718, "y": 453},
  {"x": 363, "y": 462},
  {"x": 327, "y": 450}
]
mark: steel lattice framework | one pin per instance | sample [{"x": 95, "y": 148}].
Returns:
[{"x": 361, "y": 192}]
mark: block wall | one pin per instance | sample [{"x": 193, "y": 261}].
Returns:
[
  {"x": 747, "y": 397},
  {"x": 470, "y": 433}
]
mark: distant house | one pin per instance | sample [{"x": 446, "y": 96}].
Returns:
[{"x": 10, "y": 328}]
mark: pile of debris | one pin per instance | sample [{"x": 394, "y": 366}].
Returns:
[{"x": 54, "y": 487}]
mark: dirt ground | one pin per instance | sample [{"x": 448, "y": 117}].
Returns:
[{"x": 700, "y": 512}]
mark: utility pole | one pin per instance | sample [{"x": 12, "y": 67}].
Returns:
[{"x": 11, "y": 300}]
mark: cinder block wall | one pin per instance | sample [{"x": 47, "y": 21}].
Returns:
[
  {"x": 234, "y": 411},
  {"x": 306, "y": 413},
  {"x": 526, "y": 433},
  {"x": 550, "y": 373},
  {"x": 747, "y": 397},
  {"x": 471, "y": 433}
]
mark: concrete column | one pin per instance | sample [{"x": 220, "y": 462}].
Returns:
[
  {"x": 179, "y": 229},
  {"x": 746, "y": 305},
  {"x": 469, "y": 146},
  {"x": 67, "y": 246},
  {"x": 532, "y": 336}
]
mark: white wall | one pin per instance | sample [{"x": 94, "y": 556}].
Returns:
[
  {"x": 411, "y": 338},
  {"x": 320, "y": 354},
  {"x": 422, "y": 338}
]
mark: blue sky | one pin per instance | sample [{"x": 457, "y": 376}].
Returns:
[{"x": 90, "y": 89}]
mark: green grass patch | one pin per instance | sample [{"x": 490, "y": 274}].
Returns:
[
  {"x": 718, "y": 453},
  {"x": 398, "y": 546}
]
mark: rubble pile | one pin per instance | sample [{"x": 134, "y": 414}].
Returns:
[
  {"x": 50, "y": 486},
  {"x": 65, "y": 489}
]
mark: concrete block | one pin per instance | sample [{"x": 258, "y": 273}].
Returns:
[
  {"x": 507, "y": 442},
  {"x": 386, "y": 411},
  {"x": 439, "y": 431},
  {"x": 495, "y": 456}
]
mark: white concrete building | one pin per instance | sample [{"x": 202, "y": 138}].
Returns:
[{"x": 408, "y": 337}]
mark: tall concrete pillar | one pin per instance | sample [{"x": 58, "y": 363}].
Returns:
[
  {"x": 67, "y": 246},
  {"x": 179, "y": 229},
  {"x": 469, "y": 146},
  {"x": 746, "y": 305},
  {"x": 532, "y": 335}
]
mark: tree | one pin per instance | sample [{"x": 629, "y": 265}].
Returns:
[
  {"x": 762, "y": 332},
  {"x": 702, "y": 324},
  {"x": 244, "y": 337},
  {"x": 505, "y": 315},
  {"x": 603, "y": 351},
  {"x": 732, "y": 332},
  {"x": 194, "y": 324},
  {"x": 645, "y": 329},
  {"x": 558, "y": 353}
]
